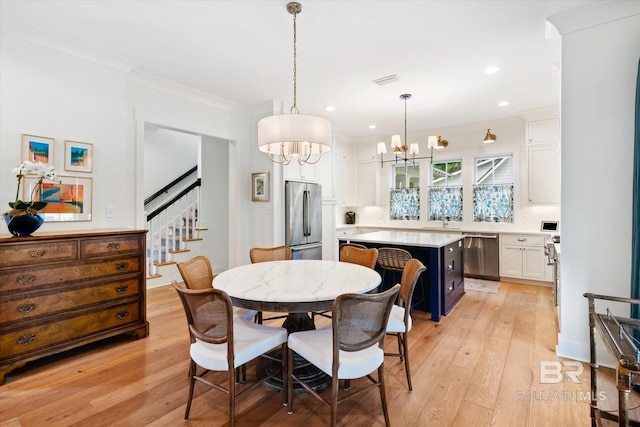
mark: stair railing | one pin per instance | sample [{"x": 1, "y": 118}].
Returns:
[{"x": 169, "y": 226}]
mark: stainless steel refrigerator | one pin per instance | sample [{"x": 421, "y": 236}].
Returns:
[{"x": 303, "y": 219}]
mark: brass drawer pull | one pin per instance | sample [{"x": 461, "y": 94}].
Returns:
[
  {"x": 26, "y": 339},
  {"x": 113, "y": 246},
  {"x": 122, "y": 314},
  {"x": 121, "y": 266},
  {"x": 37, "y": 253},
  {"x": 122, "y": 289},
  {"x": 26, "y": 307},
  {"x": 26, "y": 279}
]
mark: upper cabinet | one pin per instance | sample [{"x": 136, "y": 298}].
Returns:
[
  {"x": 343, "y": 152},
  {"x": 296, "y": 171},
  {"x": 321, "y": 172},
  {"x": 367, "y": 153},
  {"x": 368, "y": 176},
  {"x": 543, "y": 131},
  {"x": 543, "y": 161},
  {"x": 344, "y": 179},
  {"x": 543, "y": 173}
]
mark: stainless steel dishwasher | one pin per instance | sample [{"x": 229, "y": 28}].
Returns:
[{"x": 481, "y": 256}]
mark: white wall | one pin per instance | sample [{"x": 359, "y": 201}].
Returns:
[
  {"x": 50, "y": 93},
  {"x": 56, "y": 95},
  {"x": 167, "y": 155},
  {"x": 599, "y": 69},
  {"x": 219, "y": 122}
]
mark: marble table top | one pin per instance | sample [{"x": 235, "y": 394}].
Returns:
[
  {"x": 407, "y": 238},
  {"x": 296, "y": 281}
]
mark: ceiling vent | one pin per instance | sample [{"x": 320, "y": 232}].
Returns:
[{"x": 386, "y": 80}]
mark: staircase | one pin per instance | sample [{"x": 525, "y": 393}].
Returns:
[{"x": 170, "y": 230}]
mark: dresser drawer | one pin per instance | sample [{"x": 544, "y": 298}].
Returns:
[
  {"x": 28, "y": 279},
  {"x": 40, "y": 337},
  {"x": 111, "y": 245},
  {"x": 27, "y": 307},
  {"x": 33, "y": 253}
]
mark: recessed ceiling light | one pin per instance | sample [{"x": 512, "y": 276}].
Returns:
[
  {"x": 330, "y": 108},
  {"x": 372, "y": 126},
  {"x": 503, "y": 103},
  {"x": 491, "y": 69}
]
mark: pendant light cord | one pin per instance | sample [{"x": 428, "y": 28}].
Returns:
[{"x": 294, "y": 109}]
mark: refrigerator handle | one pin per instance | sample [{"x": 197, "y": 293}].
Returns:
[{"x": 305, "y": 213}]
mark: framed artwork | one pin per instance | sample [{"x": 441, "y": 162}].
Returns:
[
  {"x": 69, "y": 200},
  {"x": 38, "y": 149},
  {"x": 78, "y": 156},
  {"x": 260, "y": 187}
]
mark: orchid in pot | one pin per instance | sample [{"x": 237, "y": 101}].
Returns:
[{"x": 23, "y": 218}]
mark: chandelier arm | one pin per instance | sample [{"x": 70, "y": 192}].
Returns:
[
  {"x": 307, "y": 162},
  {"x": 282, "y": 159}
]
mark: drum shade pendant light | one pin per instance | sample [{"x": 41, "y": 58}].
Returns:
[
  {"x": 287, "y": 136},
  {"x": 489, "y": 138},
  {"x": 434, "y": 142}
]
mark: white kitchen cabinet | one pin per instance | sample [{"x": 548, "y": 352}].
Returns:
[
  {"x": 543, "y": 131},
  {"x": 543, "y": 173},
  {"x": 344, "y": 183},
  {"x": 368, "y": 179},
  {"x": 346, "y": 231},
  {"x": 367, "y": 184},
  {"x": 296, "y": 171},
  {"x": 523, "y": 256},
  {"x": 367, "y": 153},
  {"x": 343, "y": 152}
]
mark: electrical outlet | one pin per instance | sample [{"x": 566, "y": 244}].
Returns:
[{"x": 111, "y": 211}]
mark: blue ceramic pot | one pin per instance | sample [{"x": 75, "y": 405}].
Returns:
[{"x": 23, "y": 225}]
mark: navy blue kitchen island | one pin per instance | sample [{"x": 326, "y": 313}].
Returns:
[{"x": 443, "y": 282}]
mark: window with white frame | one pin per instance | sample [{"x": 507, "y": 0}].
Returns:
[
  {"x": 493, "y": 189},
  {"x": 445, "y": 192},
  {"x": 405, "y": 193}
]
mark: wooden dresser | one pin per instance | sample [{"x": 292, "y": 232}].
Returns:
[{"x": 61, "y": 291}]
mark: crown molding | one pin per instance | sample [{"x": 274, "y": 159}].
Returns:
[
  {"x": 67, "y": 45},
  {"x": 173, "y": 88},
  {"x": 591, "y": 16}
]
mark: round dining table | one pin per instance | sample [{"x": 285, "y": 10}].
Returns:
[{"x": 296, "y": 287}]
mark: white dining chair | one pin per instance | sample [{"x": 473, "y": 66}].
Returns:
[
  {"x": 221, "y": 341},
  {"x": 352, "y": 347}
]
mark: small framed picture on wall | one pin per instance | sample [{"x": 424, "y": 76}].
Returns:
[
  {"x": 38, "y": 149},
  {"x": 78, "y": 156},
  {"x": 260, "y": 187}
]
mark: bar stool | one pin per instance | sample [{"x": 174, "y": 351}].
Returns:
[{"x": 394, "y": 260}]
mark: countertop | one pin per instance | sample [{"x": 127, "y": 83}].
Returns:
[
  {"x": 445, "y": 230},
  {"x": 406, "y": 238}
]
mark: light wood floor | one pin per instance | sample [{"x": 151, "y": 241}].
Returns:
[{"x": 478, "y": 366}]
